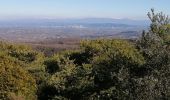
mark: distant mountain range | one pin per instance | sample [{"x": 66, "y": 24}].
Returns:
[
  {"x": 110, "y": 20},
  {"x": 67, "y": 22}
]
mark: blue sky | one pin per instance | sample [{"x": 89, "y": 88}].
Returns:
[{"x": 132, "y": 9}]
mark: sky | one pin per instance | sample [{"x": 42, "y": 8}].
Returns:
[{"x": 130, "y": 9}]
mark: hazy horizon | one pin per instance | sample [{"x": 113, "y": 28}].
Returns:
[{"x": 71, "y": 9}]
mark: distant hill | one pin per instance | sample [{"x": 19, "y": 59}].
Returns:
[
  {"x": 110, "y": 20},
  {"x": 63, "y": 22}
]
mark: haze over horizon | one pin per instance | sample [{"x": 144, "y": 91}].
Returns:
[{"x": 56, "y": 9}]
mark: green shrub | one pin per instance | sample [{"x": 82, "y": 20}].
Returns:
[
  {"x": 14, "y": 79},
  {"x": 56, "y": 63}
]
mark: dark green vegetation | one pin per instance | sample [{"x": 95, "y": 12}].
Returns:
[{"x": 111, "y": 69}]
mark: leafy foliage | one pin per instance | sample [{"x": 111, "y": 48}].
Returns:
[
  {"x": 14, "y": 79},
  {"x": 155, "y": 47},
  {"x": 79, "y": 80}
]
